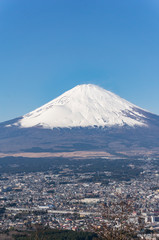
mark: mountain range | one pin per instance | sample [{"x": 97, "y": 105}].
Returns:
[{"x": 85, "y": 119}]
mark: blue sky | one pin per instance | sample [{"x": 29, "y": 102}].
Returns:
[{"x": 48, "y": 47}]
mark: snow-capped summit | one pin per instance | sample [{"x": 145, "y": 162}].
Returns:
[{"x": 85, "y": 105}]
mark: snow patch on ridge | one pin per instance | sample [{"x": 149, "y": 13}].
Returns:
[{"x": 85, "y": 105}]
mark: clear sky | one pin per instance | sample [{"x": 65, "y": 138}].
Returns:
[{"x": 50, "y": 46}]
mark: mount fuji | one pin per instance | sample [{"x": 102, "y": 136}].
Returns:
[{"x": 85, "y": 118}]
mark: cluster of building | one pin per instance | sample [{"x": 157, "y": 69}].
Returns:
[{"x": 68, "y": 201}]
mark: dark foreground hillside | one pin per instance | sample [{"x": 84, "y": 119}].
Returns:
[{"x": 47, "y": 234}]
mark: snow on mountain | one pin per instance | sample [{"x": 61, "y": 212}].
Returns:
[{"x": 85, "y": 105}]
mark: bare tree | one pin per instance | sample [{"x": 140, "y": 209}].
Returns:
[{"x": 118, "y": 222}]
